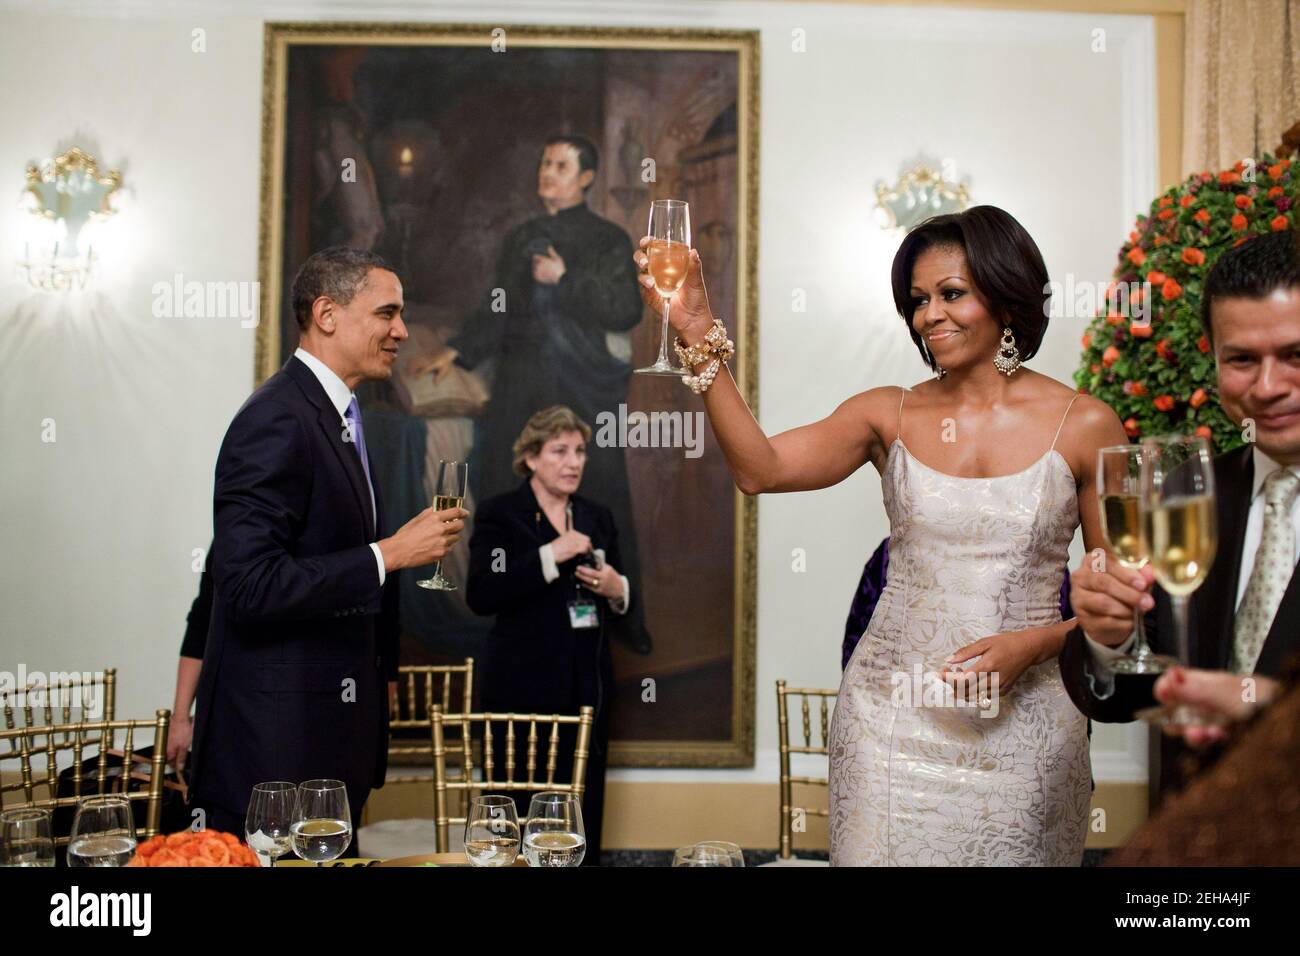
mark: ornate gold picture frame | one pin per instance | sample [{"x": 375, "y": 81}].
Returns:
[{"x": 421, "y": 142}]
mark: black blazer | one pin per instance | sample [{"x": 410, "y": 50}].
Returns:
[
  {"x": 1210, "y": 617},
  {"x": 535, "y": 661},
  {"x": 297, "y": 606}
]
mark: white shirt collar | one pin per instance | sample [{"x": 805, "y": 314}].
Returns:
[
  {"x": 1265, "y": 466},
  {"x": 339, "y": 394}
]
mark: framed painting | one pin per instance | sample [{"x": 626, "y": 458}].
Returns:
[{"x": 428, "y": 144}]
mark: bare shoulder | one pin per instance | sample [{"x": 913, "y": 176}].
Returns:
[
  {"x": 1092, "y": 424},
  {"x": 876, "y": 407}
]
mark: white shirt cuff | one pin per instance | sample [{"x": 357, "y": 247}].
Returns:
[
  {"x": 619, "y": 604},
  {"x": 379, "y": 560},
  {"x": 1102, "y": 677},
  {"x": 550, "y": 570}
]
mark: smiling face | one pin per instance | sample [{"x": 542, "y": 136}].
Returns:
[
  {"x": 558, "y": 466},
  {"x": 560, "y": 177},
  {"x": 364, "y": 336},
  {"x": 952, "y": 318},
  {"x": 1257, "y": 350}
]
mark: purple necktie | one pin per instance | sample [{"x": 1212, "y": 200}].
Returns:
[{"x": 353, "y": 415}]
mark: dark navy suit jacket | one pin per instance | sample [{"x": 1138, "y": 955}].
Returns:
[{"x": 302, "y": 637}]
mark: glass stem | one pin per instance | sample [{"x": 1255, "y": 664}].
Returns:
[
  {"x": 663, "y": 338},
  {"x": 1141, "y": 650},
  {"x": 437, "y": 569},
  {"x": 1179, "y": 602}
]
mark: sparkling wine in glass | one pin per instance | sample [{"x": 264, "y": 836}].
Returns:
[
  {"x": 322, "y": 824},
  {"x": 1118, "y": 477},
  {"x": 553, "y": 834},
  {"x": 1179, "y": 530},
  {"x": 449, "y": 491},
  {"x": 269, "y": 824},
  {"x": 26, "y": 838},
  {"x": 669, "y": 255},
  {"x": 492, "y": 831},
  {"x": 103, "y": 833}
]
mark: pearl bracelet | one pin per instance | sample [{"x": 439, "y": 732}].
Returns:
[{"x": 715, "y": 349}]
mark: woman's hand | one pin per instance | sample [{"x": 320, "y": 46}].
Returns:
[
  {"x": 570, "y": 545},
  {"x": 604, "y": 580},
  {"x": 180, "y": 735},
  {"x": 689, "y": 315},
  {"x": 1226, "y": 699},
  {"x": 1005, "y": 655}
]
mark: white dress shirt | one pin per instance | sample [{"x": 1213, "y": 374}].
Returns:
[
  {"x": 341, "y": 397},
  {"x": 1264, "y": 466}
]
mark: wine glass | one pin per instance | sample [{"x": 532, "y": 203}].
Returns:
[
  {"x": 1179, "y": 531},
  {"x": 268, "y": 826},
  {"x": 554, "y": 835},
  {"x": 492, "y": 831},
  {"x": 26, "y": 838},
  {"x": 669, "y": 255},
  {"x": 322, "y": 821},
  {"x": 724, "y": 846},
  {"x": 708, "y": 853},
  {"x": 449, "y": 491},
  {"x": 1118, "y": 477},
  {"x": 103, "y": 833}
]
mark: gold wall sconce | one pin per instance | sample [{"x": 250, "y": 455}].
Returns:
[
  {"x": 923, "y": 189},
  {"x": 68, "y": 201}
]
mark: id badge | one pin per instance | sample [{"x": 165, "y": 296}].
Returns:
[{"x": 583, "y": 614}]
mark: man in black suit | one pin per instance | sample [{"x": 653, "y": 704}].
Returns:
[
  {"x": 1245, "y": 617},
  {"x": 304, "y": 618}
]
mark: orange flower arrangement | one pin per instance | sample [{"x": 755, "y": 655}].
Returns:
[
  {"x": 1159, "y": 374},
  {"x": 194, "y": 848}
]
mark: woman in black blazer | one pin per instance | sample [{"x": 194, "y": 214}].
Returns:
[{"x": 545, "y": 561}]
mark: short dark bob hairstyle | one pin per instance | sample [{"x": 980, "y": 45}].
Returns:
[{"x": 1005, "y": 266}]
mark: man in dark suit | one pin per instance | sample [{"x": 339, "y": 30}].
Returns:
[
  {"x": 1245, "y": 617},
  {"x": 304, "y": 619}
]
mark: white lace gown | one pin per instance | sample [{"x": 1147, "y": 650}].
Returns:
[{"x": 912, "y": 784}]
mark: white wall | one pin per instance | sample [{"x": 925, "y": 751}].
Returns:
[{"x": 101, "y": 523}]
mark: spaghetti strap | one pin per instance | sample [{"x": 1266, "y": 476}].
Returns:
[
  {"x": 898, "y": 429},
  {"x": 1062, "y": 425}
]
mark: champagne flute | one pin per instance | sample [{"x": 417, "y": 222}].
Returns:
[
  {"x": 322, "y": 821},
  {"x": 1179, "y": 532},
  {"x": 669, "y": 255},
  {"x": 554, "y": 835},
  {"x": 26, "y": 838},
  {"x": 1118, "y": 477},
  {"x": 103, "y": 833},
  {"x": 492, "y": 831},
  {"x": 449, "y": 491},
  {"x": 268, "y": 826}
]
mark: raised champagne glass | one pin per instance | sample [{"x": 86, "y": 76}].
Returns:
[
  {"x": 449, "y": 491},
  {"x": 1118, "y": 477},
  {"x": 669, "y": 255},
  {"x": 1179, "y": 534}
]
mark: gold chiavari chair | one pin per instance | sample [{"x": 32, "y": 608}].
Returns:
[
  {"x": 420, "y": 688},
  {"x": 468, "y": 786},
  {"x": 38, "y": 786},
  {"x": 38, "y": 702},
  {"x": 811, "y": 744}
]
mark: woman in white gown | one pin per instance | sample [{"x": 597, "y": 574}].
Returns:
[{"x": 984, "y": 494}]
